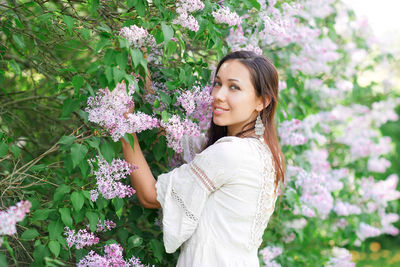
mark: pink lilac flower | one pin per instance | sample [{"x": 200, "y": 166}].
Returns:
[
  {"x": 365, "y": 231},
  {"x": 197, "y": 104},
  {"x": 380, "y": 192},
  {"x": 10, "y": 217},
  {"x": 340, "y": 257},
  {"x": 296, "y": 223},
  {"x": 137, "y": 36},
  {"x": 289, "y": 238},
  {"x": 80, "y": 239},
  {"x": 269, "y": 253},
  {"x": 108, "y": 176},
  {"x": 94, "y": 194},
  {"x": 185, "y": 19},
  {"x": 290, "y": 133},
  {"x": 176, "y": 128},
  {"x": 108, "y": 108},
  {"x": 318, "y": 158},
  {"x": 112, "y": 258},
  {"x": 378, "y": 164},
  {"x": 386, "y": 221},
  {"x": 107, "y": 225},
  {"x": 345, "y": 209},
  {"x": 224, "y": 15},
  {"x": 315, "y": 194}
]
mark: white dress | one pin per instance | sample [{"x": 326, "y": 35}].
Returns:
[{"x": 217, "y": 206}]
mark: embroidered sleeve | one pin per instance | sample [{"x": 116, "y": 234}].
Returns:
[
  {"x": 192, "y": 145},
  {"x": 184, "y": 191}
]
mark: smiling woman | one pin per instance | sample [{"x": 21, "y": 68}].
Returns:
[{"x": 217, "y": 206}]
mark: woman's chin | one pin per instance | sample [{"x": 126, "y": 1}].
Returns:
[{"x": 218, "y": 122}]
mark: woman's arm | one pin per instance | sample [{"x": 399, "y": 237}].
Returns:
[{"x": 142, "y": 179}]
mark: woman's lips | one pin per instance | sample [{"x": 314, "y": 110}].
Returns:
[{"x": 219, "y": 110}]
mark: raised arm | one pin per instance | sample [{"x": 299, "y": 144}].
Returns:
[{"x": 142, "y": 179}]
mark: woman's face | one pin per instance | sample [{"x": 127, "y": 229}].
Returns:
[{"x": 235, "y": 101}]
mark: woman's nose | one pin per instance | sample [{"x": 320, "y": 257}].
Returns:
[{"x": 219, "y": 93}]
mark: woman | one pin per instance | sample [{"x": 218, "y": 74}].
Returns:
[{"x": 217, "y": 206}]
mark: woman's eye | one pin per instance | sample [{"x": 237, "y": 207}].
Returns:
[
  {"x": 235, "y": 87},
  {"x": 217, "y": 83}
]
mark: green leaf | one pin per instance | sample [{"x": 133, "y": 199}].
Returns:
[
  {"x": 13, "y": 66},
  {"x": 54, "y": 247},
  {"x": 165, "y": 98},
  {"x": 109, "y": 57},
  {"x": 15, "y": 150},
  {"x": 109, "y": 74},
  {"x": 165, "y": 116},
  {"x": 69, "y": 106},
  {"x": 129, "y": 138},
  {"x": 135, "y": 241},
  {"x": 168, "y": 32},
  {"x": 140, "y": 7},
  {"x": 92, "y": 6},
  {"x": 77, "y": 200},
  {"x": 84, "y": 115},
  {"x": 93, "y": 219},
  {"x": 160, "y": 148},
  {"x": 69, "y": 21},
  {"x": 94, "y": 142},
  {"x": 66, "y": 140},
  {"x": 254, "y": 3},
  {"x": 29, "y": 234},
  {"x": 85, "y": 33},
  {"x": 118, "y": 74},
  {"x": 107, "y": 151},
  {"x": 137, "y": 56},
  {"x": 3, "y": 260},
  {"x": 19, "y": 40},
  {"x": 66, "y": 216},
  {"x": 122, "y": 60},
  {"x": 77, "y": 82},
  {"x": 41, "y": 215},
  {"x": 157, "y": 248},
  {"x": 61, "y": 191},
  {"x": 78, "y": 153},
  {"x": 55, "y": 229},
  {"x": 3, "y": 149}
]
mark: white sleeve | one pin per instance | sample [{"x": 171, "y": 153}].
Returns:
[
  {"x": 192, "y": 145},
  {"x": 183, "y": 192}
]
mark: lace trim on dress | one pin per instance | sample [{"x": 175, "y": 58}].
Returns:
[
  {"x": 266, "y": 198},
  {"x": 203, "y": 177},
  {"x": 182, "y": 204}
]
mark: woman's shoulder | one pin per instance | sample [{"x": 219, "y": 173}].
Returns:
[{"x": 230, "y": 147}]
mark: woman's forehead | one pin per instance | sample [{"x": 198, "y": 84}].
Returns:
[{"x": 234, "y": 70}]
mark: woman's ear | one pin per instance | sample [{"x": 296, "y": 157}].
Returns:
[{"x": 260, "y": 105}]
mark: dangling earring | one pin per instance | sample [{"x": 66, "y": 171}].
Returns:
[{"x": 259, "y": 127}]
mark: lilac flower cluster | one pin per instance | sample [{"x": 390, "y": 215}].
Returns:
[
  {"x": 80, "y": 239},
  {"x": 137, "y": 36},
  {"x": 386, "y": 222},
  {"x": 112, "y": 257},
  {"x": 315, "y": 193},
  {"x": 345, "y": 209},
  {"x": 340, "y": 257},
  {"x": 10, "y": 217},
  {"x": 107, "y": 225},
  {"x": 224, "y": 15},
  {"x": 365, "y": 231},
  {"x": 290, "y": 133},
  {"x": 185, "y": 19},
  {"x": 269, "y": 253},
  {"x": 176, "y": 128},
  {"x": 378, "y": 164},
  {"x": 197, "y": 104},
  {"x": 108, "y": 176},
  {"x": 108, "y": 108},
  {"x": 379, "y": 192}
]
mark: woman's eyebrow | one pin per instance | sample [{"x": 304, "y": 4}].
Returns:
[{"x": 217, "y": 77}]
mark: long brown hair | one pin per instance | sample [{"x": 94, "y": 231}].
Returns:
[{"x": 265, "y": 80}]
